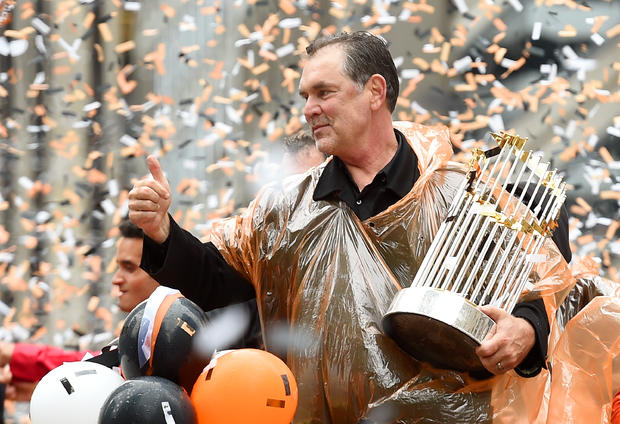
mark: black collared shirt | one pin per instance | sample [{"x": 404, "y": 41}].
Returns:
[{"x": 390, "y": 185}]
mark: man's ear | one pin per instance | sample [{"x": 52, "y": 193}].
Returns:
[{"x": 378, "y": 90}]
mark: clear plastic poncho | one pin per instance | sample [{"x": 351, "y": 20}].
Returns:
[{"x": 324, "y": 279}]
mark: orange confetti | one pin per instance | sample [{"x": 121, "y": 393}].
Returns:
[
  {"x": 263, "y": 67},
  {"x": 568, "y": 31},
  {"x": 264, "y": 120},
  {"x": 121, "y": 79},
  {"x": 4, "y": 236},
  {"x": 169, "y": 11},
  {"x": 105, "y": 32},
  {"x": 30, "y": 242},
  {"x": 266, "y": 94},
  {"x": 189, "y": 186},
  {"x": 125, "y": 47},
  {"x": 95, "y": 176},
  {"x": 518, "y": 64},
  {"x": 612, "y": 32},
  {"x": 612, "y": 229},
  {"x": 606, "y": 155},
  {"x": 93, "y": 302},
  {"x": 499, "y": 24},
  {"x": 499, "y": 54},
  {"x": 581, "y": 202},
  {"x": 216, "y": 73},
  {"x": 287, "y": 7},
  {"x": 436, "y": 36},
  {"x": 585, "y": 239},
  {"x": 276, "y": 134},
  {"x": 157, "y": 57},
  {"x": 41, "y": 331},
  {"x": 610, "y": 195},
  {"x": 106, "y": 316},
  {"x": 421, "y": 63}
]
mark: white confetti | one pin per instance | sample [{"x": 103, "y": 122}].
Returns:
[
  {"x": 463, "y": 64},
  {"x": 128, "y": 140},
  {"x": 597, "y": 38},
  {"x": 132, "y": 6},
  {"x": 40, "y": 26},
  {"x": 461, "y": 5},
  {"x": 285, "y": 50},
  {"x": 18, "y": 47},
  {"x": 496, "y": 123},
  {"x": 409, "y": 73},
  {"x": 5, "y": 49},
  {"x": 536, "y": 30},
  {"x": 290, "y": 23},
  {"x": 91, "y": 106},
  {"x": 516, "y": 4}
]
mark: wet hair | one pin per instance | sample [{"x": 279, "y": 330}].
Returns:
[
  {"x": 129, "y": 229},
  {"x": 365, "y": 55}
]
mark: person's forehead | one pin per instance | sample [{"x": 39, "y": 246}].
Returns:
[
  {"x": 129, "y": 248},
  {"x": 322, "y": 66}
]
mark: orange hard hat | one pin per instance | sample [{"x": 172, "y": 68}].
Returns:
[{"x": 245, "y": 386}]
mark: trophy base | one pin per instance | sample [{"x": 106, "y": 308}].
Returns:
[{"x": 437, "y": 326}]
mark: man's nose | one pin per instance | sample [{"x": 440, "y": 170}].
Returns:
[
  {"x": 311, "y": 108},
  {"x": 117, "y": 278}
]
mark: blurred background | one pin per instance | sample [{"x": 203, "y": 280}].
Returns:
[{"x": 89, "y": 88}]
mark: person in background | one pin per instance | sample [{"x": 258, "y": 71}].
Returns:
[
  {"x": 29, "y": 362},
  {"x": 300, "y": 153}
]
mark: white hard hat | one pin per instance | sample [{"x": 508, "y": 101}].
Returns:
[{"x": 73, "y": 393}]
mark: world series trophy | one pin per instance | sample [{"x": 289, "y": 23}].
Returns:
[{"x": 482, "y": 254}]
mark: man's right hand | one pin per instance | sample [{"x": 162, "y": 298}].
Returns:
[{"x": 149, "y": 200}]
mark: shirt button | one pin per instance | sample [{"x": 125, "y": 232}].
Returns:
[{"x": 359, "y": 202}]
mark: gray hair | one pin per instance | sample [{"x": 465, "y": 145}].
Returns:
[{"x": 365, "y": 55}]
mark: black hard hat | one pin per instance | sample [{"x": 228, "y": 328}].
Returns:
[
  {"x": 148, "y": 400},
  {"x": 161, "y": 343}
]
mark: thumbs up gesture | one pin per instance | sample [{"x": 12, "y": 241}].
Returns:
[{"x": 149, "y": 200}]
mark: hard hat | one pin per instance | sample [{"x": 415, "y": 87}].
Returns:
[
  {"x": 245, "y": 386},
  {"x": 72, "y": 393},
  {"x": 157, "y": 339},
  {"x": 148, "y": 400}
]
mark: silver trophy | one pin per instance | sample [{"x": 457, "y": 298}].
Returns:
[{"x": 482, "y": 254}]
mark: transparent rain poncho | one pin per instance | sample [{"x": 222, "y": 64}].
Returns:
[{"x": 324, "y": 279}]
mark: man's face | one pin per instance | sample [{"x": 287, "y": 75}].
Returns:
[
  {"x": 134, "y": 284},
  {"x": 336, "y": 109}
]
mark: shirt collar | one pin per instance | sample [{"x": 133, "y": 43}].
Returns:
[{"x": 400, "y": 172}]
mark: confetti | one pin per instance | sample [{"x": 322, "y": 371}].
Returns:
[{"x": 210, "y": 87}]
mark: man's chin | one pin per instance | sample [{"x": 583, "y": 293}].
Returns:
[{"x": 323, "y": 145}]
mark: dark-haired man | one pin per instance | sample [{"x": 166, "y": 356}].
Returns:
[
  {"x": 326, "y": 254},
  {"x": 30, "y": 362}
]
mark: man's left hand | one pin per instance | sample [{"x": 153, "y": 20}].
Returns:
[{"x": 508, "y": 342}]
